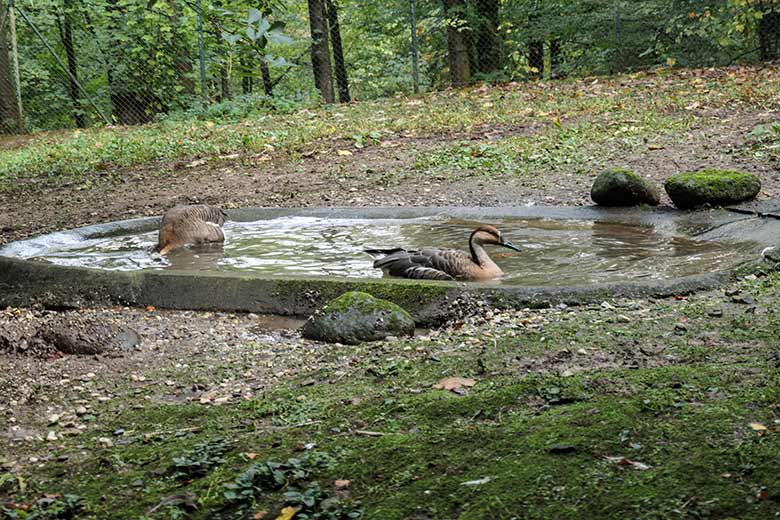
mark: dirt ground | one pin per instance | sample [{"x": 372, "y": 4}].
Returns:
[{"x": 380, "y": 175}]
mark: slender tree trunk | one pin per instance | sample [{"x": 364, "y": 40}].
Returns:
[
  {"x": 320, "y": 54},
  {"x": 342, "y": 81},
  {"x": 769, "y": 31},
  {"x": 555, "y": 58},
  {"x": 247, "y": 81},
  {"x": 488, "y": 41},
  {"x": 268, "y": 84},
  {"x": 66, "y": 35},
  {"x": 457, "y": 42},
  {"x": 9, "y": 112}
]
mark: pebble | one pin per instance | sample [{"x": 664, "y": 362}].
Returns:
[
  {"x": 105, "y": 442},
  {"x": 81, "y": 410},
  {"x": 52, "y": 436}
]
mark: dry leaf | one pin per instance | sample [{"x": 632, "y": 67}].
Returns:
[
  {"x": 343, "y": 152},
  {"x": 454, "y": 383},
  {"x": 622, "y": 461},
  {"x": 655, "y": 147},
  {"x": 342, "y": 484},
  {"x": 196, "y": 163},
  {"x": 250, "y": 456},
  {"x": 758, "y": 427},
  {"x": 151, "y": 308},
  {"x": 259, "y": 515},
  {"x": 288, "y": 513}
]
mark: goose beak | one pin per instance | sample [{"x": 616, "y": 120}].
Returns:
[{"x": 510, "y": 245}]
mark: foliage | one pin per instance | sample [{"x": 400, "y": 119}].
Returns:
[
  {"x": 138, "y": 58},
  {"x": 294, "y": 478},
  {"x": 200, "y": 459}
]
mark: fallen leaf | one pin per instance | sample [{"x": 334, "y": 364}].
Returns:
[
  {"x": 250, "y": 456},
  {"x": 259, "y": 515},
  {"x": 477, "y": 482},
  {"x": 196, "y": 163},
  {"x": 758, "y": 427},
  {"x": 343, "y": 152},
  {"x": 622, "y": 461},
  {"x": 342, "y": 484},
  {"x": 655, "y": 147},
  {"x": 151, "y": 308},
  {"x": 454, "y": 383},
  {"x": 288, "y": 513}
]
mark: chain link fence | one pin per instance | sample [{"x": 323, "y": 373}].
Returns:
[{"x": 78, "y": 63}]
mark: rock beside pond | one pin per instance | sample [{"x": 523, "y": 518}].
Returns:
[
  {"x": 81, "y": 335},
  {"x": 620, "y": 187},
  {"x": 711, "y": 187},
  {"x": 356, "y": 317}
]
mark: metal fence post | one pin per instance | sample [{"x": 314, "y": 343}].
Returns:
[
  {"x": 618, "y": 53},
  {"x": 17, "y": 78},
  {"x": 201, "y": 52},
  {"x": 415, "y": 62}
]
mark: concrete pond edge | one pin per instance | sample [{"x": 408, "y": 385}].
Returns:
[{"x": 28, "y": 282}]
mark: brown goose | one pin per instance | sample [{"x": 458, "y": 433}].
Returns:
[
  {"x": 195, "y": 224},
  {"x": 445, "y": 264}
]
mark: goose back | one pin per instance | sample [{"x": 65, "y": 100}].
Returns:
[
  {"x": 193, "y": 224},
  {"x": 425, "y": 264}
]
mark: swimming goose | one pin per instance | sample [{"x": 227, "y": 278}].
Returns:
[
  {"x": 445, "y": 264},
  {"x": 195, "y": 224}
]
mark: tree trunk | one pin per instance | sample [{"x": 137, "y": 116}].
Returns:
[
  {"x": 320, "y": 54},
  {"x": 487, "y": 38},
  {"x": 457, "y": 42},
  {"x": 555, "y": 58},
  {"x": 268, "y": 84},
  {"x": 247, "y": 81},
  {"x": 342, "y": 81},
  {"x": 769, "y": 31},
  {"x": 9, "y": 112},
  {"x": 536, "y": 58},
  {"x": 66, "y": 35}
]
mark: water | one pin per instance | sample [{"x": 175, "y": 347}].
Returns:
[{"x": 555, "y": 252}]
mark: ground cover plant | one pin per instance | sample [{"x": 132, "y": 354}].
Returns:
[{"x": 652, "y": 408}]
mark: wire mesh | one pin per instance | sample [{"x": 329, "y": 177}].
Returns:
[{"x": 128, "y": 62}]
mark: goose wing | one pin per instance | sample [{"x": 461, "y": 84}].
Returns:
[{"x": 422, "y": 264}]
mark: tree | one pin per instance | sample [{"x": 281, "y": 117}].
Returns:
[
  {"x": 65, "y": 25},
  {"x": 320, "y": 53},
  {"x": 9, "y": 113},
  {"x": 338, "y": 53},
  {"x": 457, "y": 42},
  {"x": 769, "y": 29},
  {"x": 487, "y": 41}
]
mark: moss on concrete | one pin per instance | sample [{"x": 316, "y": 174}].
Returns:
[{"x": 714, "y": 187}]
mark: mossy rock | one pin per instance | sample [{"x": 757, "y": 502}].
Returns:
[
  {"x": 356, "y": 317},
  {"x": 713, "y": 187},
  {"x": 620, "y": 187}
]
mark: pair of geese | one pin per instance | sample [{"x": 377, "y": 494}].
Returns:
[{"x": 199, "y": 224}]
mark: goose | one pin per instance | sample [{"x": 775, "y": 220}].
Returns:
[
  {"x": 445, "y": 264},
  {"x": 193, "y": 224}
]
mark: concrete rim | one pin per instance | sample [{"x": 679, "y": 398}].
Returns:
[{"x": 26, "y": 282}]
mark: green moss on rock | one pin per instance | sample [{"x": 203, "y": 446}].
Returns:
[
  {"x": 356, "y": 317},
  {"x": 620, "y": 187},
  {"x": 714, "y": 187}
]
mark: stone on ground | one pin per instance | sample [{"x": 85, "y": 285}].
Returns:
[
  {"x": 82, "y": 335},
  {"x": 619, "y": 187},
  {"x": 356, "y": 317},
  {"x": 691, "y": 190}
]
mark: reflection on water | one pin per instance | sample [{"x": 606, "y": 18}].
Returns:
[{"x": 555, "y": 252}]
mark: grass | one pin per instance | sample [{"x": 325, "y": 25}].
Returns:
[
  {"x": 573, "y": 113},
  {"x": 658, "y": 422}
]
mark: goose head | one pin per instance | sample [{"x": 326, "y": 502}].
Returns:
[{"x": 490, "y": 235}]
